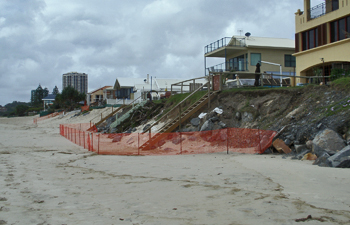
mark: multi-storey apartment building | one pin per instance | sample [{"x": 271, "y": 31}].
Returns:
[
  {"x": 77, "y": 80},
  {"x": 242, "y": 53},
  {"x": 322, "y": 38}
]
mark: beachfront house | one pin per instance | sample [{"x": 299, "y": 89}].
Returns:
[
  {"x": 96, "y": 96},
  {"x": 242, "y": 53},
  {"x": 322, "y": 40},
  {"x": 127, "y": 90}
]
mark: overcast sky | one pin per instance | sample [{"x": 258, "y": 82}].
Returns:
[{"x": 42, "y": 39}]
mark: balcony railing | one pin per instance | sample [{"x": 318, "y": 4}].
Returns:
[
  {"x": 240, "y": 66},
  {"x": 323, "y": 9},
  {"x": 239, "y": 42}
]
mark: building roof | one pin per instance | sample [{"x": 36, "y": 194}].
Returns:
[
  {"x": 102, "y": 88},
  {"x": 266, "y": 42},
  {"x": 50, "y": 97},
  {"x": 127, "y": 82}
]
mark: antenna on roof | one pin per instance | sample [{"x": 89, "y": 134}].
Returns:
[{"x": 240, "y": 32}]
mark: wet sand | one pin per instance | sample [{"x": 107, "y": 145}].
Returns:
[{"x": 46, "y": 179}]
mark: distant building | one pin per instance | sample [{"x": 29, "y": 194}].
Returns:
[
  {"x": 128, "y": 89},
  {"x": 77, "y": 80},
  {"x": 3, "y": 109},
  {"x": 322, "y": 39},
  {"x": 48, "y": 100},
  {"x": 32, "y": 95},
  {"x": 98, "y": 95}
]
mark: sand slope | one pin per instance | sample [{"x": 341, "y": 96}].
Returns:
[{"x": 45, "y": 179}]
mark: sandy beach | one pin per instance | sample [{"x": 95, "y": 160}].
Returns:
[{"x": 46, "y": 179}]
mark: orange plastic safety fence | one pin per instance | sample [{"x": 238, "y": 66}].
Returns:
[{"x": 249, "y": 141}]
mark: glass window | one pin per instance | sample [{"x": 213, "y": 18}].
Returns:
[
  {"x": 335, "y": 5},
  {"x": 237, "y": 63},
  {"x": 230, "y": 64},
  {"x": 311, "y": 39},
  {"x": 348, "y": 25},
  {"x": 304, "y": 41},
  {"x": 334, "y": 31},
  {"x": 254, "y": 58},
  {"x": 289, "y": 61},
  {"x": 342, "y": 29},
  {"x": 246, "y": 60}
]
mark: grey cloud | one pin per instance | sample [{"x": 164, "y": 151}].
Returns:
[{"x": 41, "y": 40}]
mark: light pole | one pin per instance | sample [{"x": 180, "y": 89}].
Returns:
[{"x": 324, "y": 79}]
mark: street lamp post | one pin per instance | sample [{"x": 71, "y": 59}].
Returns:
[{"x": 323, "y": 72}]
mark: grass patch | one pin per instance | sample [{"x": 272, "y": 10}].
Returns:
[
  {"x": 175, "y": 99},
  {"x": 247, "y": 89},
  {"x": 343, "y": 83},
  {"x": 337, "y": 107}
]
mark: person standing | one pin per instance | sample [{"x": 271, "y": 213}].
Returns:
[{"x": 257, "y": 75}]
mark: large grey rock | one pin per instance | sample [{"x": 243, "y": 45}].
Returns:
[
  {"x": 301, "y": 155},
  {"x": 323, "y": 160},
  {"x": 238, "y": 116},
  {"x": 300, "y": 148},
  {"x": 309, "y": 144},
  {"x": 146, "y": 127},
  {"x": 247, "y": 117},
  {"x": 290, "y": 137},
  {"x": 189, "y": 129},
  {"x": 195, "y": 121},
  {"x": 214, "y": 119},
  {"x": 288, "y": 142},
  {"x": 337, "y": 158},
  {"x": 345, "y": 163},
  {"x": 208, "y": 125},
  {"x": 222, "y": 124},
  {"x": 318, "y": 151},
  {"x": 348, "y": 137},
  {"x": 329, "y": 141}
]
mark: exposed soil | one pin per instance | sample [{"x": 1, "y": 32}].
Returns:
[{"x": 305, "y": 110}]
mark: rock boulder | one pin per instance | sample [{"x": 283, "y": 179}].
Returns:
[
  {"x": 329, "y": 141},
  {"x": 339, "y": 157}
]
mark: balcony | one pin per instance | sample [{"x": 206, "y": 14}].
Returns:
[
  {"x": 237, "y": 66},
  {"x": 236, "y": 42},
  {"x": 323, "y": 9}
]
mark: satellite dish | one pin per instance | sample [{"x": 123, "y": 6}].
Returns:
[{"x": 248, "y": 34}]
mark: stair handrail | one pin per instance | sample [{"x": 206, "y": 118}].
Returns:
[
  {"x": 186, "y": 110},
  {"x": 111, "y": 114},
  {"x": 156, "y": 122}
]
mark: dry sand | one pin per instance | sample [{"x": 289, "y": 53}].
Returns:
[{"x": 46, "y": 179}]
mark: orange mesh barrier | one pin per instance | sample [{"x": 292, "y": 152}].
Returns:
[
  {"x": 242, "y": 140},
  {"x": 85, "y": 108},
  {"x": 35, "y": 120}
]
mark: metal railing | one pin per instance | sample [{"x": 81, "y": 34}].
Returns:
[
  {"x": 239, "y": 42},
  {"x": 238, "y": 66},
  {"x": 268, "y": 80},
  {"x": 322, "y": 9},
  {"x": 207, "y": 84}
]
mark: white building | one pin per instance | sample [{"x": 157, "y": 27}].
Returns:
[{"x": 128, "y": 90}]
